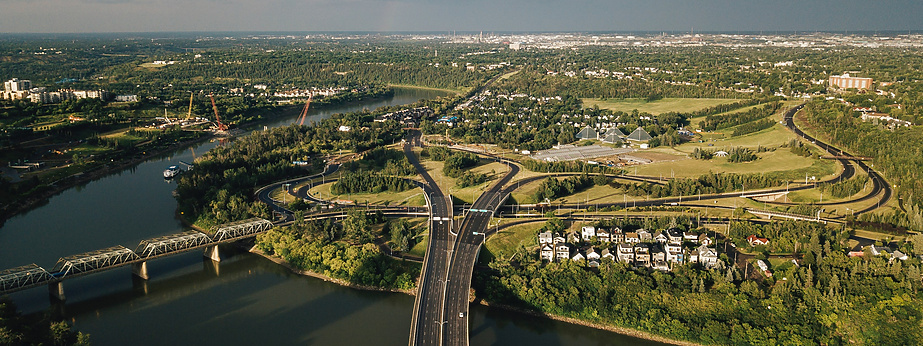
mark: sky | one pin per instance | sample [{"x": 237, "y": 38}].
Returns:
[{"x": 93, "y": 16}]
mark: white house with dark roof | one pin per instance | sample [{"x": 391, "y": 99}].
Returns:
[
  {"x": 661, "y": 237},
  {"x": 547, "y": 253},
  {"x": 545, "y": 238},
  {"x": 561, "y": 252},
  {"x": 602, "y": 235},
  {"x": 708, "y": 256},
  {"x": 625, "y": 252},
  {"x": 587, "y": 233}
]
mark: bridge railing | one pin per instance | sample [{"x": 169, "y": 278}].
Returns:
[
  {"x": 241, "y": 228},
  {"x": 94, "y": 260},
  {"x": 27, "y": 275},
  {"x": 172, "y": 243}
]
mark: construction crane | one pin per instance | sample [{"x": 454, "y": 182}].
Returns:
[
  {"x": 221, "y": 127},
  {"x": 304, "y": 112}
]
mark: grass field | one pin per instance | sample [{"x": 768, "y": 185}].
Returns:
[
  {"x": 789, "y": 165},
  {"x": 681, "y": 105},
  {"x": 412, "y": 197},
  {"x": 505, "y": 243}
]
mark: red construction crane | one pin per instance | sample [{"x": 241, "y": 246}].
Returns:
[
  {"x": 221, "y": 127},
  {"x": 304, "y": 112}
]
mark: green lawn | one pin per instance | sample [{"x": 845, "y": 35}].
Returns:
[
  {"x": 412, "y": 197},
  {"x": 781, "y": 160},
  {"x": 505, "y": 243},
  {"x": 682, "y": 105}
]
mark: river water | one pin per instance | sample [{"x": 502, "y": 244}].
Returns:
[{"x": 245, "y": 299}]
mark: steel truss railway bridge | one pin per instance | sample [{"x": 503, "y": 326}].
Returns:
[{"x": 32, "y": 275}]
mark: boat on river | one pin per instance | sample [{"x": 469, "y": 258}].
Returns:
[{"x": 171, "y": 172}]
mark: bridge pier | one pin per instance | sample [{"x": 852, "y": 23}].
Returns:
[
  {"x": 211, "y": 253},
  {"x": 140, "y": 270},
  {"x": 56, "y": 291}
]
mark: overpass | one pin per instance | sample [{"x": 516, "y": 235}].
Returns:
[{"x": 32, "y": 275}]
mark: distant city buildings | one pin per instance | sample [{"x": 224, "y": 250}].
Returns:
[
  {"x": 846, "y": 82},
  {"x": 15, "y": 89}
]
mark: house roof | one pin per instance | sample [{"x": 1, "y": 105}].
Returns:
[{"x": 639, "y": 135}]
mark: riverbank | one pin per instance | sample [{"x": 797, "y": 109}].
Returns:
[
  {"x": 619, "y": 330},
  {"x": 407, "y": 86},
  {"x": 312, "y": 274},
  {"x": 102, "y": 171}
]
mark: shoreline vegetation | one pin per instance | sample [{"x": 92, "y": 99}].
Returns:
[
  {"x": 408, "y": 86},
  {"x": 26, "y": 204},
  {"x": 619, "y": 330}
]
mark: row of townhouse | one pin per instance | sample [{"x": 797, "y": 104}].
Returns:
[
  {"x": 615, "y": 235},
  {"x": 663, "y": 252}
]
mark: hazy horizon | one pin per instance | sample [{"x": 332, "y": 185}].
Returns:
[{"x": 150, "y": 16}]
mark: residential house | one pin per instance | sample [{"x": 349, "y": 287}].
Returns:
[
  {"x": 660, "y": 265},
  {"x": 607, "y": 254},
  {"x": 578, "y": 257},
  {"x": 592, "y": 258},
  {"x": 561, "y": 252},
  {"x": 558, "y": 240},
  {"x": 625, "y": 252},
  {"x": 587, "y": 233},
  {"x": 754, "y": 240},
  {"x": 763, "y": 267},
  {"x": 642, "y": 254},
  {"x": 675, "y": 236},
  {"x": 632, "y": 238},
  {"x": 704, "y": 239},
  {"x": 645, "y": 236},
  {"x": 880, "y": 250},
  {"x": 616, "y": 235},
  {"x": 592, "y": 254},
  {"x": 545, "y": 238},
  {"x": 897, "y": 254},
  {"x": 602, "y": 235},
  {"x": 547, "y": 253},
  {"x": 661, "y": 237},
  {"x": 708, "y": 256},
  {"x": 690, "y": 237},
  {"x": 658, "y": 253},
  {"x": 674, "y": 253}
]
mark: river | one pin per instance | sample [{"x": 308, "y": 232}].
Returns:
[{"x": 245, "y": 299}]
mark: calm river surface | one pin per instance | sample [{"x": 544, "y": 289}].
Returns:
[{"x": 245, "y": 299}]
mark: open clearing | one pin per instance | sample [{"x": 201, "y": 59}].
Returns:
[{"x": 681, "y": 105}]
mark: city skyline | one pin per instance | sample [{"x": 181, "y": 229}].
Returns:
[{"x": 94, "y": 16}]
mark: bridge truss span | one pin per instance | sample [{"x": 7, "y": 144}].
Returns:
[
  {"x": 95, "y": 260},
  {"x": 23, "y": 277},
  {"x": 240, "y": 229},
  {"x": 172, "y": 243}
]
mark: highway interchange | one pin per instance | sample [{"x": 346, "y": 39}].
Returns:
[{"x": 440, "y": 315}]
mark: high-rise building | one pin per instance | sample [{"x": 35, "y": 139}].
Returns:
[
  {"x": 14, "y": 85},
  {"x": 845, "y": 82}
]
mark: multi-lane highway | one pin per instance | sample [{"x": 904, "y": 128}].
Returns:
[
  {"x": 879, "y": 184},
  {"x": 471, "y": 235},
  {"x": 428, "y": 315}
]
